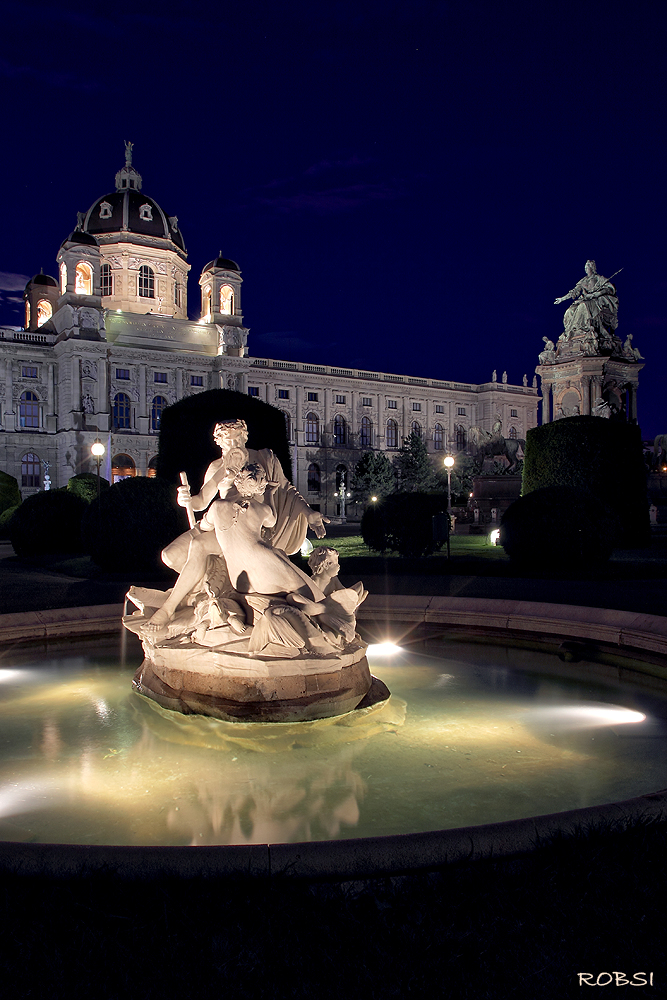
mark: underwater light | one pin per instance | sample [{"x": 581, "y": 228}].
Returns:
[{"x": 384, "y": 649}]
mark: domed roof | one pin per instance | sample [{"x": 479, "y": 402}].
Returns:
[
  {"x": 78, "y": 236},
  {"x": 42, "y": 279},
  {"x": 128, "y": 210},
  {"x": 224, "y": 263}
]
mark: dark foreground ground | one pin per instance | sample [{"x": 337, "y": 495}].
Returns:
[{"x": 527, "y": 926}]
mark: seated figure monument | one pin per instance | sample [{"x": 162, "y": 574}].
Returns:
[{"x": 244, "y": 633}]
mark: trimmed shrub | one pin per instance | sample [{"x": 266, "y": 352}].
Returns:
[
  {"x": 10, "y": 495},
  {"x": 46, "y": 523},
  {"x": 134, "y": 520},
  {"x": 559, "y": 527},
  {"x": 403, "y": 523},
  {"x": 85, "y": 486},
  {"x": 597, "y": 456},
  {"x": 5, "y": 518},
  {"x": 186, "y": 442}
]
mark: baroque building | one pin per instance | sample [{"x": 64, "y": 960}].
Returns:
[{"x": 107, "y": 344}]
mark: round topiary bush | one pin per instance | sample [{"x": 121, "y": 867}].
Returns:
[
  {"x": 403, "y": 522},
  {"x": 47, "y": 523},
  {"x": 10, "y": 495},
  {"x": 5, "y": 518},
  {"x": 134, "y": 520},
  {"x": 559, "y": 527},
  {"x": 85, "y": 486}
]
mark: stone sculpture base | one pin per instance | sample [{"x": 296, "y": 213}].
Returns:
[{"x": 233, "y": 686}]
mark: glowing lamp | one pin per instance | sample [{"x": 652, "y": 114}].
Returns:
[
  {"x": 97, "y": 449},
  {"x": 449, "y": 462},
  {"x": 494, "y": 536},
  {"x": 374, "y": 499}
]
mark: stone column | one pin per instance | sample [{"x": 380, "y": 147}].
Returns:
[
  {"x": 585, "y": 396},
  {"x": 11, "y": 408},
  {"x": 298, "y": 423},
  {"x": 353, "y": 423},
  {"x": 596, "y": 389},
  {"x": 546, "y": 402},
  {"x": 632, "y": 404},
  {"x": 327, "y": 414},
  {"x": 142, "y": 391}
]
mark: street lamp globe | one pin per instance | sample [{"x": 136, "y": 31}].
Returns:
[{"x": 97, "y": 449}]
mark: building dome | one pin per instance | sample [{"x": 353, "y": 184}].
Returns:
[
  {"x": 224, "y": 263},
  {"x": 42, "y": 279},
  {"x": 80, "y": 237}
]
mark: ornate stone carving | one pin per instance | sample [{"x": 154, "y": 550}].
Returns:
[
  {"x": 548, "y": 355},
  {"x": 89, "y": 369}
]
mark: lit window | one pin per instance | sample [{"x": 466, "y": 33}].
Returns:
[
  {"x": 416, "y": 428},
  {"x": 122, "y": 467},
  {"x": 439, "y": 408},
  {"x": 392, "y": 434},
  {"x": 152, "y": 468},
  {"x": 146, "y": 213},
  {"x": 83, "y": 279},
  {"x": 391, "y": 404},
  {"x": 198, "y": 380},
  {"x": 366, "y": 433},
  {"x": 283, "y": 393},
  {"x": 123, "y": 373},
  {"x": 366, "y": 401},
  {"x": 416, "y": 406},
  {"x": 105, "y": 210},
  {"x": 513, "y": 433},
  {"x": 146, "y": 282},
  {"x": 29, "y": 410},
  {"x": 31, "y": 470},
  {"x": 227, "y": 300},
  {"x": 438, "y": 438},
  {"x": 514, "y": 413},
  {"x": 206, "y": 303},
  {"x": 340, "y": 400},
  {"x": 312, "y": 428},
  {"x": 27, "y": 371},
  {"x": 158, "y": 406},
  {"x": 160, "y": 377},
  {"x": 461, "y": 411},
  {"x": 106, "y": 279},
  {"x": 313, "y": 397},
  {"x": 44, "y": 312},
  {"x": 63, "y": 278},
  {"x": 253, "y": 390},
  {"x": 314, "y": 478},
  {"x": 121, "y": 411},
  {"x": 339, "y": 431},
  {"x": 27, "y": 315},
  {"x": 460, "y": 438}
]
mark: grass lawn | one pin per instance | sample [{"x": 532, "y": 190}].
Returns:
[{"x": 462, "y": 546}]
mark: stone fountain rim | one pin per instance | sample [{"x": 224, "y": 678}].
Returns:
[{"x": 631, "y": 634}]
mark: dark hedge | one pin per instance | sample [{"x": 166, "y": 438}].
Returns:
[
  {"x": 85, "y": 486},
  {"x": 595, "y": 455},
  {"x": 402, "y": 523},
  {"x": 559, "y": 527},
  {"x": 186, "y": 443},
  {"x": 10, "y": 495},
  {"x": 133, "y": 521},
  {"x": 46, "y": 523}
]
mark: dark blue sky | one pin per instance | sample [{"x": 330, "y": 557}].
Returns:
[{"x": 406, "y": 186}]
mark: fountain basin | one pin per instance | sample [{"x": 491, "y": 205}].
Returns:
[{"x": 611, "y": 633}]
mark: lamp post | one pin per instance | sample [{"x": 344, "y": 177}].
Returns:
[
  {"x": 449, "y": 462},
  {"x": 97, "y": 449}
]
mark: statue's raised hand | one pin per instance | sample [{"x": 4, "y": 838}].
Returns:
[
  {"x": 316, "y": 521},
  {"x": 183, "y": 497}
]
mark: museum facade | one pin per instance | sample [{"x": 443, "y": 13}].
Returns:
[{"x": 107, "y": 344}]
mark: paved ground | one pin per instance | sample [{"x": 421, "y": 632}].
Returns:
[{"x": 632, "y": 581}]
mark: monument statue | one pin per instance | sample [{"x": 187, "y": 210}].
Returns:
[
  {"x": 245, "y": 633},
  {"x": 492, "y": 444},
  {"x": 594, "y": 310}
]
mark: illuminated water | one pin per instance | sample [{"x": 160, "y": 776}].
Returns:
[{"x": 465, "y": 739}]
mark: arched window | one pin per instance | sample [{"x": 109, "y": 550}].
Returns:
[
  {"x": 314, "y": 478},
  {"x": 438, "y": 437},
  {"x": 63, "y": 278},
  {"x": 31, "y": 470},
  {"x": 460, "y": 437},
  {"x": 158, "y": 406},
  {"x": 122, "y": 467},
  {"x": 121, "y": 411},
  {"x": 27, "y": 315},
  {"x": 83, "y": 279},
  {"x": 29, "y": 410},
  {"x": 206, "y": 303},
  {"x": 146, "y": 282},
  {"x": 312, "y": 428},
  {"x": 392, "y": 434},
  {"x": 44, "y": 311},
  {"x": 366, "y": 433},
  {"x": 151, "y": 472},
  {"x": 513, "y": 433},
  {"x": 288, "y": 424},
  {"x": 107, "y": 279},
  {"x": 339, "y": 430},
  {"x": 227, "y": 300},
  {"x": 416, "y": 428}
]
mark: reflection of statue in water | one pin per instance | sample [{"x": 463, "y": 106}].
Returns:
[{"x": 594, "y": 309}]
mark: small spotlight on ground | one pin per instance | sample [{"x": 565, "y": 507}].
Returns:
[
  {"x": 384, "y": 649},
  {"x": 494, "y": 536}
]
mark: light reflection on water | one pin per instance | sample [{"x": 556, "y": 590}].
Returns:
[{"x": 464, "y": 739}]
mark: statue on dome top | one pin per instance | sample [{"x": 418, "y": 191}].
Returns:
[{"x": 128, "y": 153}]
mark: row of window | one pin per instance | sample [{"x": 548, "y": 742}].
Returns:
[
  {"x": 122, "y": 467},
  {"x": 226, "y": 301},
  {"x": 341, "y": 433},
  {"x": 123, "y": 375},
  {"x": 314, "y": 480},
  {"x": 392, "y": 404},
  {"x": 122, "y": 412},
  {"x": 83, "y": 282}
]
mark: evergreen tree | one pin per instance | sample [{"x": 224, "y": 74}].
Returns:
[
  {"x": 416, "y": 473},
  {"x": 373, "y": 476}
]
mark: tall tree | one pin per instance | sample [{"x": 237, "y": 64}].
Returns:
[
  {"x": 373, "y": 475},
  {"x": 415, "y": 470}
]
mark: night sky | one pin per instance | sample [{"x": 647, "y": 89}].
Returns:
[{"x": 406, "y": 186}]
